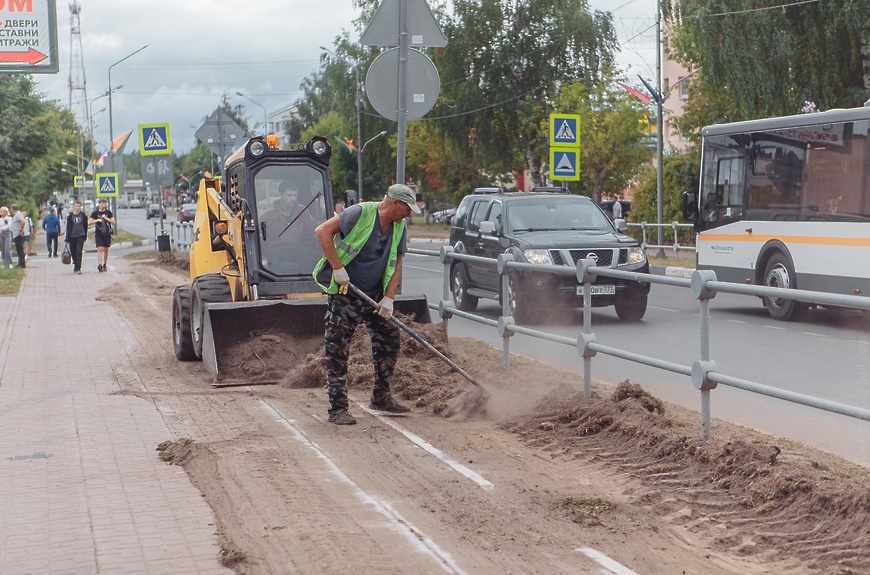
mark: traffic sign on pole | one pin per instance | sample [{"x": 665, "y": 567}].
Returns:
[
  {"x": 565, "y": 130},
  {"x": 564, "y": 163},
  {"x": 107, "y": 185},
  {"x": 154, "y": 140}
]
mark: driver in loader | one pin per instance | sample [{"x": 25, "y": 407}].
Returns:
[
  {"x": 364, "y": 244},
  {"x": 286, "y": 211}
]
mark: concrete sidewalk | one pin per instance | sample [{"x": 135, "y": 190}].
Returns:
[{"x": 82, "y": 489}]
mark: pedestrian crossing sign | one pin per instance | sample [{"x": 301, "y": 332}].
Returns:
[
  {"x": 78, "y": 181},
  {"x": 565, "y": 130},
  {"x": 154, "y": 139},
  {"x": 564, "y": 163},
  {"x": 107, "y": 185}
]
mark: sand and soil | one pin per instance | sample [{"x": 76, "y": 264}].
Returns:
[{"x": 521, "y": 483}]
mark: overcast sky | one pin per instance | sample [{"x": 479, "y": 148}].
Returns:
[{"x": 201, "y": 49}]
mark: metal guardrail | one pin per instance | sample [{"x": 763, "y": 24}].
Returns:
[
  {"x": 180, "y": 235},
  {"x": 703, "y": 285},
  {"x": 675, "y": 230}
]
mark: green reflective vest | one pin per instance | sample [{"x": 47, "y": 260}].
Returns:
[{"x": 349, "y": 246}]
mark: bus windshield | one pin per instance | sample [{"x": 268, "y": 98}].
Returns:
[{"x": 816, "y": 172}]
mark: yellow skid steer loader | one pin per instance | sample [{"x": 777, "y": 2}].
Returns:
[{"x": 253, "y": 252}]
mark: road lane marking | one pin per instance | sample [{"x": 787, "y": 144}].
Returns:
[
  {"x": 432, "y": 450},
  {"x": 609, "y": 564},
  {"x": 414, "y": 535}
]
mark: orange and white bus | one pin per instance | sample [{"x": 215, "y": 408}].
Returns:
[{"x": 785, "y": 202}]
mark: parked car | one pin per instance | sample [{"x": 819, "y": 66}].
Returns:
[
  {"x": 135, "y": 204},
  {"x": 552, "y": 227},
  {"x": 187, "y": 213},
  {"x": 155, "y": 211},
  {"x": 443, "y": 216}
]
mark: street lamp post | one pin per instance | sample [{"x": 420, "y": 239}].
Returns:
[
  {"x": 660, "y": 184},
  {"x": 111, "y": 127},
  {"x": 265, "y": 113},
  {"x": 359, "y": 162}
]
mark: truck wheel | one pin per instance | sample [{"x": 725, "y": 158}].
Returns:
[
  {"x": 459, "y": 288},
  {"x": 182, "y": 343},
  {"x": 631, "y": 308},
  {"x": 211, "y": 288},
  {"x": 779, "y": 273}
]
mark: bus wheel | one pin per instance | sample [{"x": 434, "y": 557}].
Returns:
[{"x": 780, "y": 274}]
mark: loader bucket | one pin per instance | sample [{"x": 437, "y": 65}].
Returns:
[{"x": 227, "y": 326}]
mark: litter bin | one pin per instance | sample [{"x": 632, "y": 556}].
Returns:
[{"x": 163, "y": 242}]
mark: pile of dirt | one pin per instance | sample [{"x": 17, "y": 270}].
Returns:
[{"x": 770, "y": 498}]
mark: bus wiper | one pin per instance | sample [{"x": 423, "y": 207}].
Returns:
[{"x": 302, "y": 211}]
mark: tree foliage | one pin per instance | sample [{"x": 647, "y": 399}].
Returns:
[
  {"x": 34, "y": 138},
  {"x": 612, "y": 122},
  {"x": 758, "y": 62}
]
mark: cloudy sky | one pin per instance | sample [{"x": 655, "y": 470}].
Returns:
[{"x": 200, "y": 49}]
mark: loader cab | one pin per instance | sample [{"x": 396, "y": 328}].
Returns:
[{"x": 284, "y": 195}]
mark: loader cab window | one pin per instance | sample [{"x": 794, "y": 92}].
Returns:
[{"x": 290, "y": 202}]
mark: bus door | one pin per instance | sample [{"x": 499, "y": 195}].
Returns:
[{"x": 724, "y": 200}]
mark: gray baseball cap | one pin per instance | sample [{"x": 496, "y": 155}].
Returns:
[{"x": 405, "y": 194}]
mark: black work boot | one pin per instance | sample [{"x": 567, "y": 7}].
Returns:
[
  {"x": 387, "y": 403},
  {"x": 342, "y": 417}
]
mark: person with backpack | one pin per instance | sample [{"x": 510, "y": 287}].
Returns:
[
  {"x": 103, "y": 220},
  {"x": 28, "y": 234}
]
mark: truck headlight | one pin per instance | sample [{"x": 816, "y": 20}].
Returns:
[
  {"x": 540, "y": 257},
  {"x": 636, "y": 255}
]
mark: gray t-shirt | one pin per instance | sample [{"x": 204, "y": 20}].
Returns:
[
  {"x": 16, "y": 224},
  {"x": 367, "y": 268}
]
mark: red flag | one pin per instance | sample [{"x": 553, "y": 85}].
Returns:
[{"x": 637, "y": 94}]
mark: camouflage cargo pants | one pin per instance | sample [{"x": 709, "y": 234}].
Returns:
[{"x": 343, "y": 314}]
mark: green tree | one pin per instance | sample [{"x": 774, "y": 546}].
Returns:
[
  {"x": 757, "y": 62},
  {"x": 612, "y": 123},
  {"x": 502, "y": 72},
  {"x": 680, "y": 175}
]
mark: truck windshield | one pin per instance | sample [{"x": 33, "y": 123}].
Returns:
[
  {"x": 557, "y": 214},
  {"x": 290, "y": 203}
]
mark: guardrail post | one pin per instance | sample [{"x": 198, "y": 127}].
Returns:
[
  {"x": 585, "y": 276},
  {"x": 701, "y": 292},
  {"x": 675, "y": 226},
  {"x": 506, "y": 317},
  {"x": 445, "y": 257}
]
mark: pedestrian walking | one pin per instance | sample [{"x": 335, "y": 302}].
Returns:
[
  {"x": 364, "y": 244},
  {"x": 29, "y": 232},
  {"x": 6, "y": 237},
  {"x": 103, "y": 220},
  {"x": 76, "y": 234},
  {"x": 18, "y": 224},
  {"x": 51, "y": 225}
]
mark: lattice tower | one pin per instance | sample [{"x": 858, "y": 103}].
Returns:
[{"x": 78, "y": 91}]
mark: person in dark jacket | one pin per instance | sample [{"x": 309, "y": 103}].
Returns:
[
  {"x": 76, "y": 234},
  {"x": 51, "y": 225}
]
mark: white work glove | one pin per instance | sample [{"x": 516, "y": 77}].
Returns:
[
  {"x": 385, "y": 308},
  {"x": 342, "y": 279}
]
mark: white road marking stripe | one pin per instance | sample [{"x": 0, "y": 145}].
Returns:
[
  {"x": 398, "y": 523},
  {"x": 429, "y": 448},
  {"x": 605, "y": 561}
]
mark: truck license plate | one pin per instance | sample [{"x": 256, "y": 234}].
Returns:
[{"x": 599, "y": 290}]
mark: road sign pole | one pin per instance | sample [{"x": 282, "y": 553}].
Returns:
[{"x": 403, "y": 93}]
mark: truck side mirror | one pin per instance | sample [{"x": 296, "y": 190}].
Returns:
[{"x": 689, "y": 204}]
